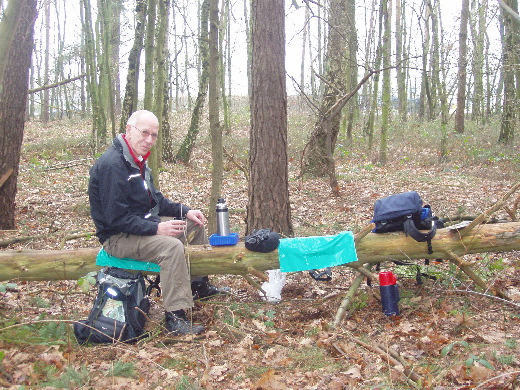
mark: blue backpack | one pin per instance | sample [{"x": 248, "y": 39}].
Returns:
[{"x": 405, "y": 212}]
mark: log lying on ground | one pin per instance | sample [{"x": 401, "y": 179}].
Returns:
[{"x": 30, "y": 265}]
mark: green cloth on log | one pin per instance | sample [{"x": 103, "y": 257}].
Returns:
[
  {"x": 105, "y": 260},
  {"x": 308, "y": 253}
]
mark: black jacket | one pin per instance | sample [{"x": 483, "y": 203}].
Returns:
[{"x": 121, "y": 200}]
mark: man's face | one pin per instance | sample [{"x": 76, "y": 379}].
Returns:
[{"x": 143, "y": 135}]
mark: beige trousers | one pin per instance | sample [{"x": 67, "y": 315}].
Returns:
[{"x": 168, "y": 253}]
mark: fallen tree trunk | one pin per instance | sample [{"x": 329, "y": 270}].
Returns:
[{"x": 206, "y": 260}]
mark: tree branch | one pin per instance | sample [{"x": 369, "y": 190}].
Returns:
[{"x": 50, "y": 86}]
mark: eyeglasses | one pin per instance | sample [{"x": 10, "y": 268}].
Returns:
[{"x": 145, "y": 133}]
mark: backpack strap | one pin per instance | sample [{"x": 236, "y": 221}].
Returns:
[{"x": 411, "y": 230}]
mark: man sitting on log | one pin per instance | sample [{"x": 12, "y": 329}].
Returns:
[{"x": 134, "y": 220}]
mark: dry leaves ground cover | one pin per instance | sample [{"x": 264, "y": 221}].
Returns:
[{"x": 448, "y": 336}]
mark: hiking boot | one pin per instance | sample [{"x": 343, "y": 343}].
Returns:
[
  {"x": 202, "y": 288},
  {"x": 177, "y": 323}
]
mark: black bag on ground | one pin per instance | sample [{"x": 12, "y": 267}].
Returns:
[
  {"x": 117, "y": 314},
  {"x": 405, "y": 212}
]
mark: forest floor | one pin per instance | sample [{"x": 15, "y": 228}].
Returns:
[{"x": 449, "y": 334}]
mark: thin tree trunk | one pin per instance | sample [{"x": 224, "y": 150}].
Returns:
[
  {"x": 478, "y": 27},
  {"x": 45, "y": 106},
  {"x": 435, "y": 59},
  {"x": 249, "y": 50},
  {"x": 161, "y": 71},
  {"x": 115, "y": 43},
  {"x": 224, "y": 62},
  {"x": 186, "y": 148},
  {"x": 106, "y": 53},
  {"x": 463, "y": 61},
  {"x": 352, "y": 107},
  {"x": 149, "y": 55},
  {"x": 132, "y": 77},
  {"x": 386, "y": 88},
  {"x": 510, "y": 110},
  {"x": 306, "y": 21},
  {"x": 400, "y": 42},
  {"x": 98, "y": 115},
  {"x": 217, "y": 152}
]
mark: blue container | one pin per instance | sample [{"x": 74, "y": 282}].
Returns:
[
  {"x": 389, "y": 293},
  {"x": 217, "y": 240}
]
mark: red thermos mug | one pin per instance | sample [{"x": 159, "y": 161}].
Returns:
[{"x": 389, "y": 293}]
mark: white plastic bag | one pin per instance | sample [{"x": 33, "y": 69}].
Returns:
[{"x": 273, "y": 288}]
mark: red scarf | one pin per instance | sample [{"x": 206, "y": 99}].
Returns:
[{"x": 140, "y": 163}]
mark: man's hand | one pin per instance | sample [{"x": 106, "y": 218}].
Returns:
[
  {"x": 173, "y": 227},
  {"x": 196, "y": 216}
]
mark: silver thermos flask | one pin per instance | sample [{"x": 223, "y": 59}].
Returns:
[{"x": 222, "y": 218}]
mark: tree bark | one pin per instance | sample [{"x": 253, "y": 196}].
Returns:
[
  {"x": 236, "y": 260},
  {"x": 318, "y": 157},
  {"x": 217, "y": 149},
  {"x": 14, "y": 83},
  {"x": 268, "y": 205}
]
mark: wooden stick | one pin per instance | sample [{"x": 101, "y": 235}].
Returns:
[
  {"x": 466, "y": 268},
  {"x": 408, "y": 372},
  {"x": 497, "y": 206},
  {"x": 342, "y": 309},
  {"x": 359, "y": 235}
]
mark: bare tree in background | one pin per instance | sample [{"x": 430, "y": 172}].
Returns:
[
  {"x": 319, "y": 151},
  {"x": 186, "y": 148},
  {"x": 511, "y": 55},
  {"x": 463, "y": 62},
  {"x": 132, "y": 77}
]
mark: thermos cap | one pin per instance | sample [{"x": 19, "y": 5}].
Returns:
[{"x": 387, "y": 278}]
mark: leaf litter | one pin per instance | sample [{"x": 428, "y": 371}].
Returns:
[{"x": 251, "y": 344}]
